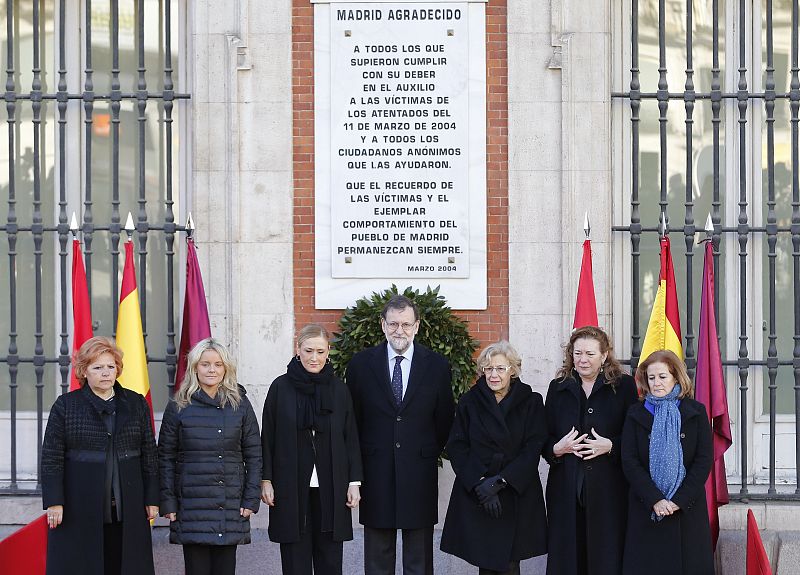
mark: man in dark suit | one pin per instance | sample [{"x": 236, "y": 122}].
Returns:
[{"x": 404, "y": 408}]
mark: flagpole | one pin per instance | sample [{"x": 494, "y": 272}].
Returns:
[{"x": 587, "y": 229}]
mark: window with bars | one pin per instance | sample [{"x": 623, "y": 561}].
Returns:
[
  {"x": 94, "y": 118},
  {"x": 707, "y": 109}
]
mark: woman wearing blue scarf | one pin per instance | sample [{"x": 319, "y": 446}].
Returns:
[{"x": 667, "y": 456}]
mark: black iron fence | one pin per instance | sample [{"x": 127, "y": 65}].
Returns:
[
  {"x": 763, "y": 231},
  {"x": 111, "y": 68}
]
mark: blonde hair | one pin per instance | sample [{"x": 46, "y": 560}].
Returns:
[
  {"x": 501, "y": 348},
  {"x": 89, "y": 352},
  {"x": 612, "y": 367},
  {"x": 228, "y": 391},
  {"x": 310, "y": 331},
  {"x": 676, "y": 367}
]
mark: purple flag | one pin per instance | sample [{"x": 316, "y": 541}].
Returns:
[{"x": 196, "y": 326}]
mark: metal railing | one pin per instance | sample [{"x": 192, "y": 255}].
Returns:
[
  {"x": 744, "y": 231},
  {"x": 40, "y": 229}
]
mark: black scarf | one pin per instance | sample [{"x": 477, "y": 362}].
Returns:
[{"x": 314, "y": 400}]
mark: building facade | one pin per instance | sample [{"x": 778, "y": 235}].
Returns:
[{"x": 622, "y": 110}]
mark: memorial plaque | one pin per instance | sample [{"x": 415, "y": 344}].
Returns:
[
  {"x": 399, "y": 131},
  {"x": 400, "y": 145}
]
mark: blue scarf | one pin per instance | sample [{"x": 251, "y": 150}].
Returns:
[{"x": 666, "y": 452}]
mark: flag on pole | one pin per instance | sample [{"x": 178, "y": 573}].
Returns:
[
  {"x": 81, "y": 307},
  {"x": 710, "y": 391},
  {"x": 757, "y": 560},
  {"x": 24, "y": 552},
  {"x": 130, "y": 338},
  {"x": 585, "y": 304},
  {"x": 664, "y": 328},
  {"x": 196, "y": 326}
]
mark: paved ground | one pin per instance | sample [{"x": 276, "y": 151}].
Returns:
[{"x": 263, "y": 557}]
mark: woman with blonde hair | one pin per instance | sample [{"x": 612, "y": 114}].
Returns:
[
  {"x": 312, "y": 461},
  {"x": 667, "y": 455},
  {"x": 210, "y": 453},
  {"x": 99, "y": 471},
  {"x": 586, "y": 491}
]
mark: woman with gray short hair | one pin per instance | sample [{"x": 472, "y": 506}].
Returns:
[{"x": 496, "y": 515}]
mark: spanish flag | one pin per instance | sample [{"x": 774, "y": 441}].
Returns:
[
  {"x": 664, "y": 329},
  {"x": 130, "y": 338}
]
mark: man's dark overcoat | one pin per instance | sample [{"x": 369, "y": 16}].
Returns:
[
  {"x": 210, "y": 468},
  {"x": 606, "y": 490},
  {"x": 280, "y": 454},
  {"x": 74, "y": 474},
  {"x": 488, "y": 440},
  {"x": 400, "y": 444},
  {"x": 680, "y": 544}
]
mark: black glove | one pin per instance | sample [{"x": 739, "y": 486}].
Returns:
[
  {"x": 489, "y": 487},
  {"x": 491, "y": 505}
]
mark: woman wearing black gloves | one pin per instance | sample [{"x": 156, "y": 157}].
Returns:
[
  {"x": 496, "y": 515},
  {"x": 312, "y": 461},
  {"x": 587, "y": 493}
]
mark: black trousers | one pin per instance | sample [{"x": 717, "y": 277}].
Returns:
[
  {"x": 513, "y": 569},
  {"x": 581, "y": 540},
  {"x": 315, "y": 548},
  {"x": 209, "y": 559},
  {"x": 112, "y": 548},
  {"x": 380, "y": 551}
]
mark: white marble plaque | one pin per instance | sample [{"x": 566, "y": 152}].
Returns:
[
  {"x": 399, "y": 141},
  {"x": 400, "y": 136}
]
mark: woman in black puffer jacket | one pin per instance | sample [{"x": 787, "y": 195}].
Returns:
[{"x": 210, "y": 456}]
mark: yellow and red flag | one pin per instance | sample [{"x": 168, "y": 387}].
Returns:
[
  {"x": 664, "y": 328},
  {"x": 130, "y": 338}
]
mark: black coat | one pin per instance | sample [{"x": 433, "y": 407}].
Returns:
[
  {"x": 279, "y": 441},
  {"x": 400, "y": 444},
  {"x": 680, "y": 544},
  {"x": 73, "y": 475},
  {"x": 485, "y": 441},
  {"x": 210, "y": 467},
  {"x": 606, "y": 490}
]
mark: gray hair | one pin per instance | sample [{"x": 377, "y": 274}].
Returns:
[
  {"x": 501, "y": 348},
  {"x": 399, "y": 303},
  {"x": 228, "y": 390}
]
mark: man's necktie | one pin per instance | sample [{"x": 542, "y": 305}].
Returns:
[{"x": 397, "y": 380}]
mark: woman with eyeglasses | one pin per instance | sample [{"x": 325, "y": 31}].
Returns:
[
  {"x": 587, "y": 494},
  {"x": 496, "y": 516}
]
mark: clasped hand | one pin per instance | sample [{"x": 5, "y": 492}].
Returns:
[
  {"x": 487, "y": 491},
  {"x": 664, "y": 507},
  {"x": 582, "y": 446}
]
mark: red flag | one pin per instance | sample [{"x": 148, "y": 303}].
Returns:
[
  {"x": 585, "y": 306},
  {"x": 757, "y": 560},
  {"x": 710, "y": 391},
  {"x": 24, "y": 552},
  {"x": 196, "y": 326},
  {"x": 81, "y": 307}
]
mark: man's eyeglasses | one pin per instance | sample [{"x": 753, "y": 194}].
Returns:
[
  {"x": 393, "y": 325},
  {"x": 500, "y": 369}
]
